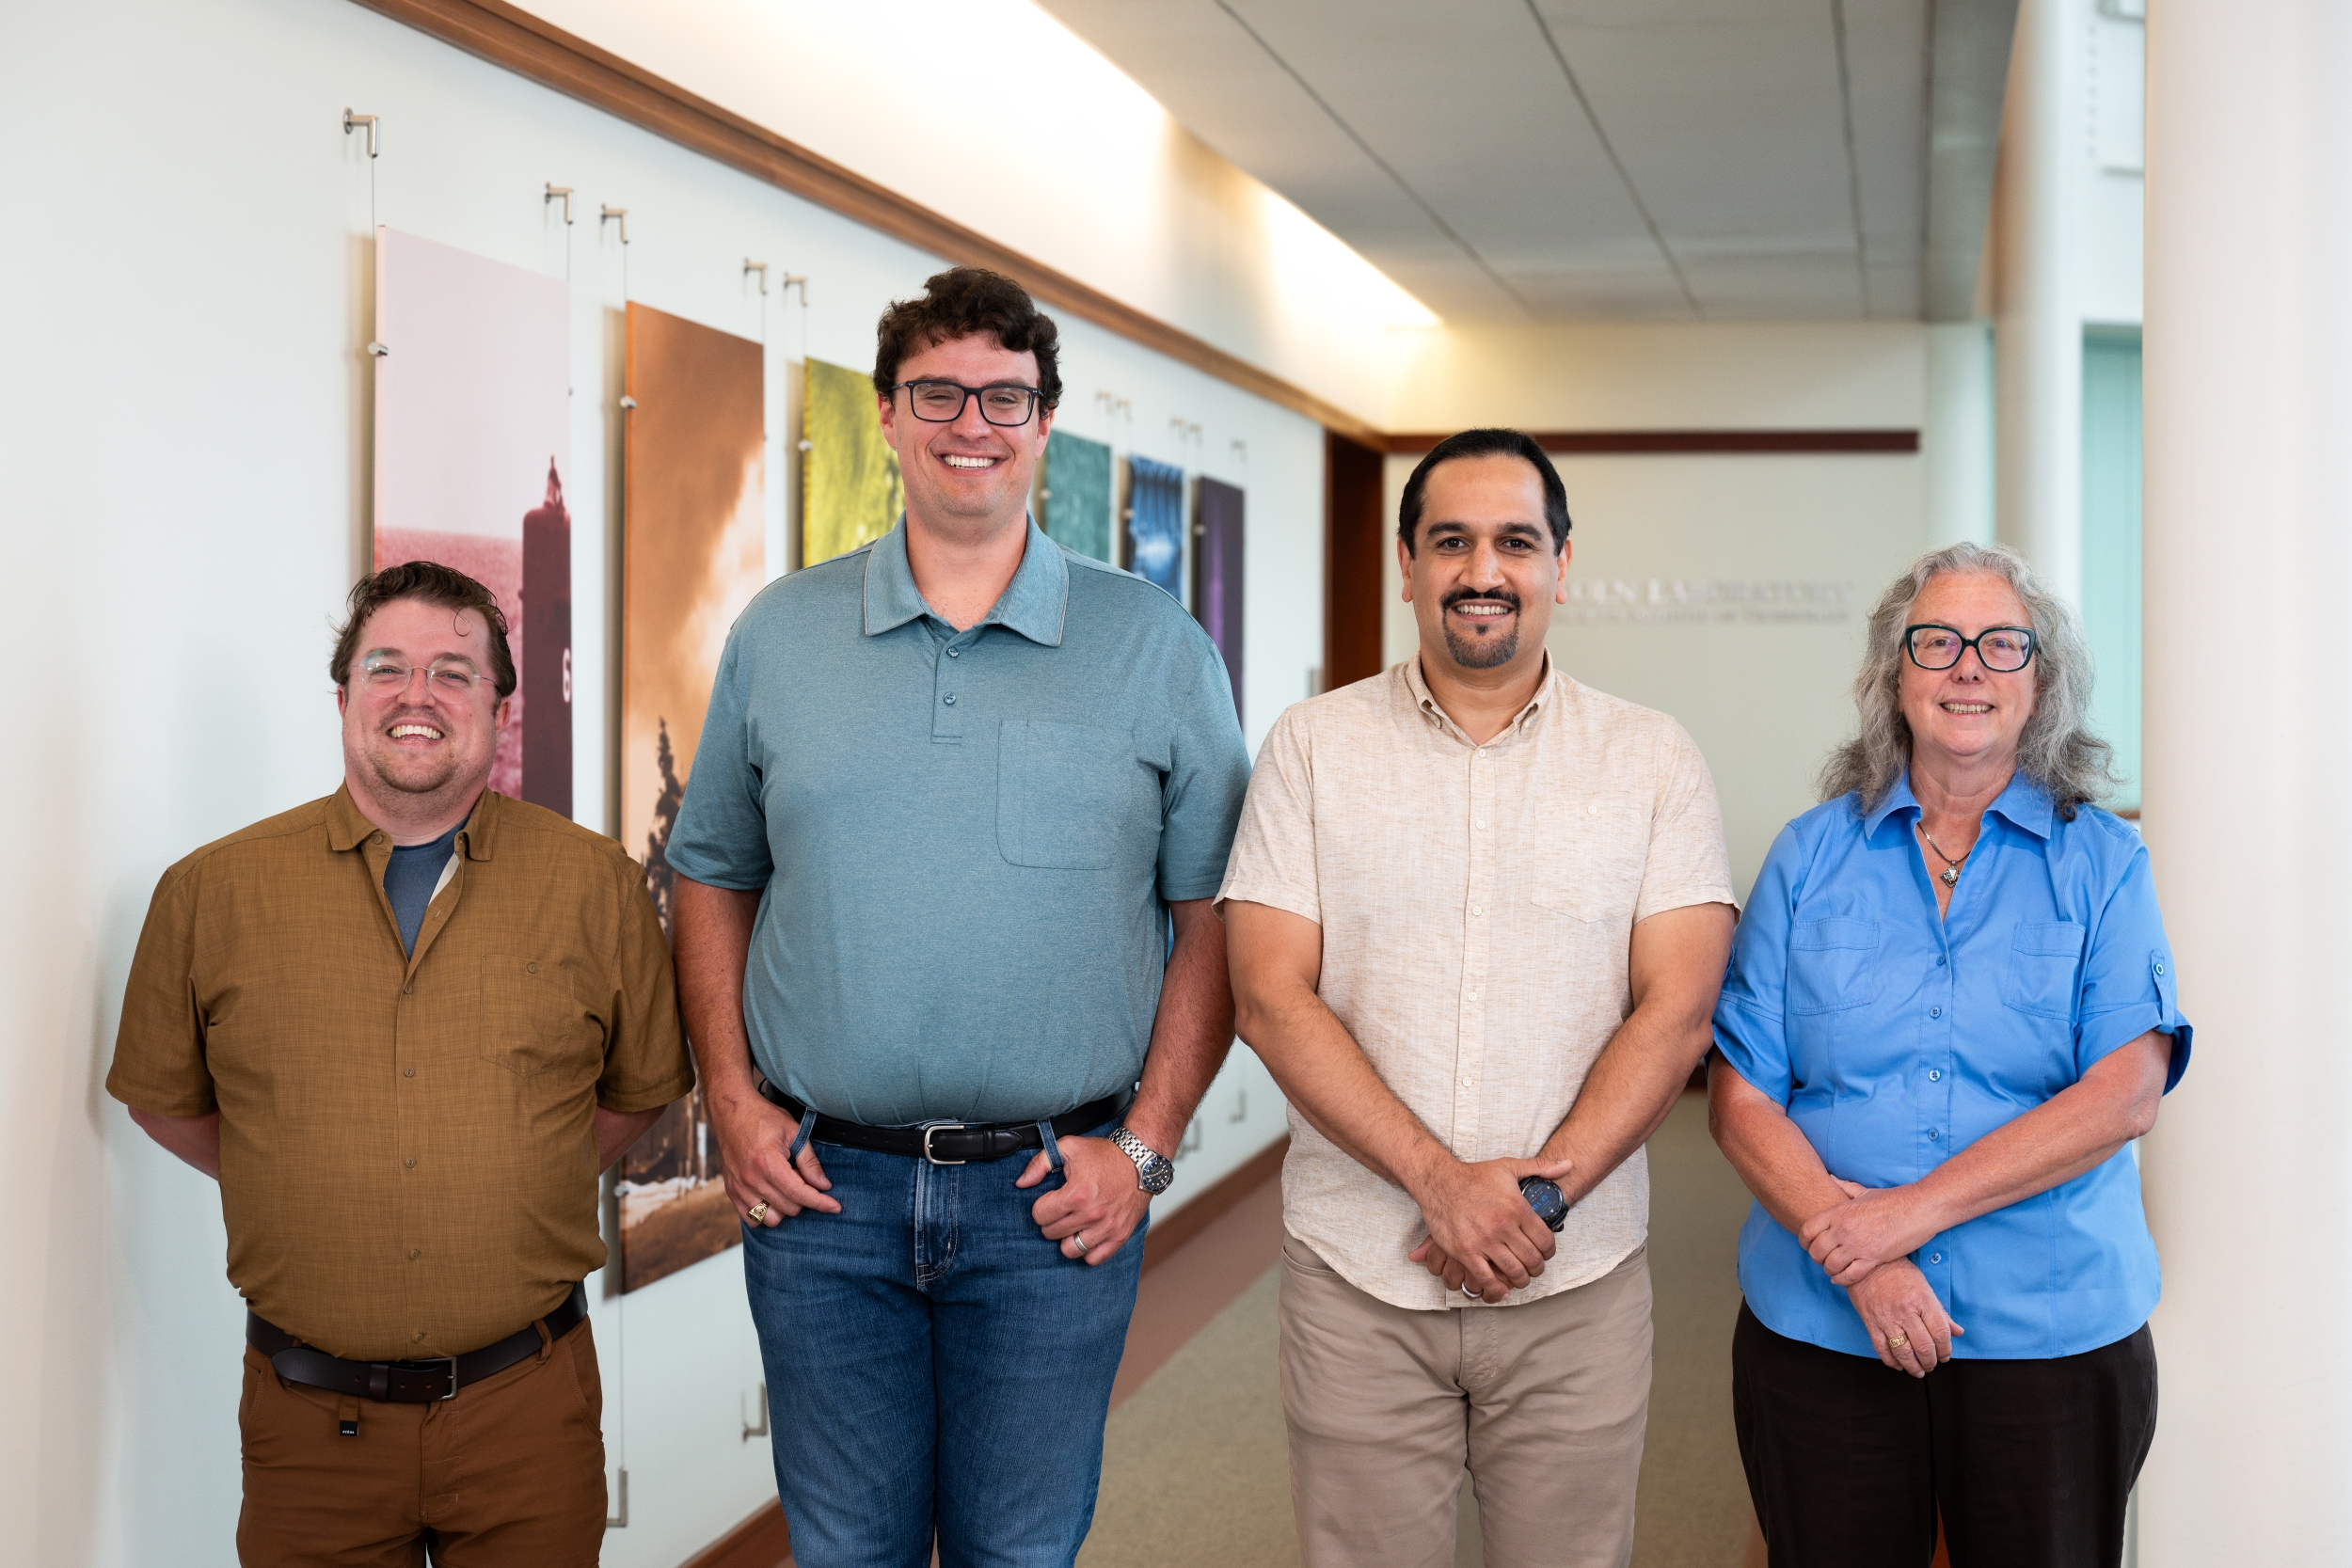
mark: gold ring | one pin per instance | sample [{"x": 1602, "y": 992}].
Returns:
[
  {"x": 1897, "y": 1341},
  {"x": 759, "y": 1215}
]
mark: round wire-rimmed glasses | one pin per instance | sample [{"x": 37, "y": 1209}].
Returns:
[
  {"x": 2003, "y": 650},
  {"x": 1003, "y": 403}
]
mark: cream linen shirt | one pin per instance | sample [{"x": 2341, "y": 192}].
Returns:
[{"x": 1477, "y": 906}]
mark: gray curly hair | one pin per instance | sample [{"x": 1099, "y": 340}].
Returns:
[{"x": 2057, "y": 750}]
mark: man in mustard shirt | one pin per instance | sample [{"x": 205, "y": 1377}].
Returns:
[{"x": 405, "y": 1026}]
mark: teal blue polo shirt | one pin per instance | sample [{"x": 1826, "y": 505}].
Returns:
[{"x": 966, "y": 841}]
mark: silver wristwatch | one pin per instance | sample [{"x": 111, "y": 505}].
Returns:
[{"x": 1153, "y": 1172}]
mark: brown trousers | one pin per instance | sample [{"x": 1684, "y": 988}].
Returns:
[
  {"x": 1546, "y": 1402},
  {"x": 509, "y": 1473}
]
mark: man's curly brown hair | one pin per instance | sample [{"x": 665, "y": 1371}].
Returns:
[
  {"x": 965, "y": 302},
  {"x": 432, "y": 583}
]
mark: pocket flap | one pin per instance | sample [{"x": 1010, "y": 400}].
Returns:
[
  {"x": 2056, "y": 939},
  {"x": 1837, "y": 931}
]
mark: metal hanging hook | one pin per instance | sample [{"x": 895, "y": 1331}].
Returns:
[
  {"x": 788, "y": 281},
  {"x": 352, "y": 122},
  {"x": 606, "y": 214},
  {"x": 759, "y": 267},
  {"x": 562, "y": 193}
]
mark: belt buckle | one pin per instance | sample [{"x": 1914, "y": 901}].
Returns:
[
  {"x": 453, "y": 1378},
  {"x": 941, "y": 1127}
]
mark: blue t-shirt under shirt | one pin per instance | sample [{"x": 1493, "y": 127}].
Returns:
[{"x": 410, "y": 877}]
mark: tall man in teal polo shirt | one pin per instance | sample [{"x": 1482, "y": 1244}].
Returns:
[{"x": 953, "y": 793}]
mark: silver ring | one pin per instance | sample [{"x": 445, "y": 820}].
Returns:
[
  {"x": 1472, "y": 1294},
  {"x": 1081, "y": 1239}
]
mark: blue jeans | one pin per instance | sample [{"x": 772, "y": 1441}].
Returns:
[{"x": 934, "y": 1363}]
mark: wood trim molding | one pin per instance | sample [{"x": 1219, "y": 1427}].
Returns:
[
  {"x": 761, "y": 1540},
  {"x": 1574, "y": 442},
  {"x": 515, "y": 40},
  {"x": 1165, "y": 1237}
]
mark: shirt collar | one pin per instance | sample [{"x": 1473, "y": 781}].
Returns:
[
  {"x": 1429, "y": 705},
  {"x": 2023, "y": 804},
  {"x": 1034, "y": 603},
  {"x": 347, "y": 829}
]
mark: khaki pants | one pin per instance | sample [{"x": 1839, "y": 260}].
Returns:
[
  {"x": 1545, "y": 1402},
  {"x": 509, "y": 1473}
]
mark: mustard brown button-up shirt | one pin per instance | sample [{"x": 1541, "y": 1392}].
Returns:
[
  {"x": 1477, "y": 906},
  {"x": 407, "y": 1153}
]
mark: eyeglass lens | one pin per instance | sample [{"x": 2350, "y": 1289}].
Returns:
[
  {"x": 940, "y": 401},
  {"x": 2003, "y": 649},
  {"x": 388, "y": 675}
]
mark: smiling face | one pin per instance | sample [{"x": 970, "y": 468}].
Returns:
[
  {"x": 966, "y": 478},
  {"x": 419, "y": 746},
  {"x": 1966, "y": 714},
  {"x": 1482, "y": 576}
]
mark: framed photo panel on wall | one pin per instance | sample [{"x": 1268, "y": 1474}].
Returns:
[
  {"x": 1074, "y": 494},
  {"x": 1155, "y": 524},
  {"x": 693, "y": 553},
  {"x": 472, "y": 437},
  {"x": 1216, "y": 571},
  {"x": 850, "y": 490}
]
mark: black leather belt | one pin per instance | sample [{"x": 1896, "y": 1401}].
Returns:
[
  {"x": 406, "y": 1382},
  {"x": 948, "y": 1142}
]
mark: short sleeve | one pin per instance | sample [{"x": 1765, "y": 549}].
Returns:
[
  {"x": 1201, "y": 798},
  {"x": 645, "y": 1064},
  {"x": 1274, "y": 851},
  {"x": 2128, "y": 984},
  {"x": 1686, "y": 863},
  {"x": 1751, "y": 1015},
  {"x": 159, "y": 1063},
  {"x": 721, "y": 835}
]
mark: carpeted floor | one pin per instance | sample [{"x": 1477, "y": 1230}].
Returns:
[{"x": 1195, "y": 1469}]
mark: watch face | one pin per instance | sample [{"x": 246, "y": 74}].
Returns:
[{"x": 1157, "y": 1180}]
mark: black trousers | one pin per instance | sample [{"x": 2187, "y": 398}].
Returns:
[{"x": 2030, "y": 1462}]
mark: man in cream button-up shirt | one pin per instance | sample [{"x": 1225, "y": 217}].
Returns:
[{"x": 1477, "y": 916}]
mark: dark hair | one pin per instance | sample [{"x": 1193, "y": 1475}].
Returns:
[
  {"x": 965, "y": 302},
  {"x": 1487, "y": 443},
  {"x": 428, "y": 582}
]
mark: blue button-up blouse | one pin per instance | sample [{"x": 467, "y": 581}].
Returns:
[{"x": 1896, "y": 1039}]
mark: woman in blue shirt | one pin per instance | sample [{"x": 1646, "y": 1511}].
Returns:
[{"x": 1950, "y": 1010}]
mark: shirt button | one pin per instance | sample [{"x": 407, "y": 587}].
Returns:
[
  {"x": 411, "y": 1161},
  {"x": 2159, "y": 969},
  {"x": 1473, "y": 996},
  {"x": 420, "y": 1336},
  {"x": 408, "y": 988},
  {"x": 1480, "y": 823},
  {"x": 955, "y": 653},
  {"x": 1468, "y": 1082},
  {"x": 1933, "y": 1075},
  {"x": 1935, "y": 1257},
  {"x": 408, "y": 1073},
  {"x": 1475, "y": 910},
  {"x": 414, "y": 1254},
  {"x": 1941, "y": 963},
  {"x": 531, "y": 969},
  {"x": 949, "y": 699},
  {"x": 1930, "y": 1139},
  {"x": 1936, "y": 1012}
]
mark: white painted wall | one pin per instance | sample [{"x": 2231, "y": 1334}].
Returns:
[{"x": 184, "y": 489}]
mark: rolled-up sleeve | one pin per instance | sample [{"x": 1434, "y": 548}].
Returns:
[
  {"x": 1751, "y": 1019},
  {"x": 1201, "y": 798},
  {"x": 1274, "y": 851},
  {"x": 720, "y": 836},
  {"x": 645, "y": 1062},
  {"x": 2129, "y": 986}
]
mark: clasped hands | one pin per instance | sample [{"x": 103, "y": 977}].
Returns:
[
  {"x": 1863, "y": 1244},
  {"x": 1482, "y": 1232},
  {"x": 1099, "y": 1200}
]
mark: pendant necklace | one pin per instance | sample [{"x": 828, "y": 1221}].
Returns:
[{"x": 1949, "y": 876}]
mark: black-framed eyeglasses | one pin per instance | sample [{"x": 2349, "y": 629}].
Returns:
[
  {"x": 1002, "y": 402},
  {"x": 2003, "y": 650}
]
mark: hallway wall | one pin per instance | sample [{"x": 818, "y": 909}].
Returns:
[{"x": 186, "y": 483}]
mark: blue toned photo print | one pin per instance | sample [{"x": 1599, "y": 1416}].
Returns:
[{"x": 1155, "y": 523}]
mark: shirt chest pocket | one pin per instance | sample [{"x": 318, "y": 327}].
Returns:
[
  {"x": 1832, "y": 965},
  {"x": 531, "y": 1020},
  {"x": 2045, "y": 960},
  {"x": 1068, "y": 795}
]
